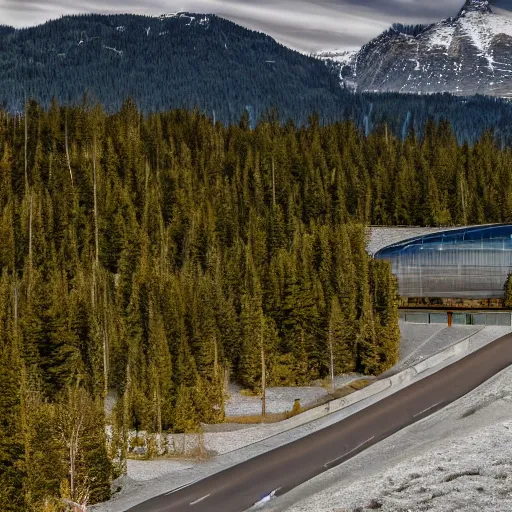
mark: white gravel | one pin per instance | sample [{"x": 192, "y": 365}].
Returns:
[
  {"x": 278, "y": 400},
  {"x": 142, "y": 470},
  {"x": 414, "y": 336},
  {"x": 281, "y": 400},
  {"x": 420, "y": 341}
]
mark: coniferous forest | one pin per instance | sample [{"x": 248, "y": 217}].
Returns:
[
  {"x": 156, "y": 256},
  {"x": 194, "y": 61}
]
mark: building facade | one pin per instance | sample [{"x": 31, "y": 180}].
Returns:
[{"x": 463, "y": 263}]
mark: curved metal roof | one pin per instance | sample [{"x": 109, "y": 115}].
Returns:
[{"x": 498, "y": 232}]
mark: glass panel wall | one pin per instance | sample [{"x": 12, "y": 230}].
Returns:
[
  {"x": 439, "y": 318},
  {"x": 459, "y": 318},
  {"x": 417, "y": 318},
  {"x": 463, "y": 263}
]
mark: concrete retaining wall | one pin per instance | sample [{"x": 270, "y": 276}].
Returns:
[{"x": 398, "y": 381}]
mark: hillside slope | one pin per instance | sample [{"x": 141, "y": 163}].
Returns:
[
  {"x": 176, "y": 60},
  {"x": 465, "y": 55},
  {"x": 207, "y": 63}
]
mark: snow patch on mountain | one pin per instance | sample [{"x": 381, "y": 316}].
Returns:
[
  {"x": 466, "y": 55},
  {"x": 483, "y": 29},
  {"x": 441, "y": 36},
  {"x": 170, "y": 15},
  {"x": 345, "y": 62},
  {"x": 115, "y": 50},
  {"x": 203, "y": 20}
]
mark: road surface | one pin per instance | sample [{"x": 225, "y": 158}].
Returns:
[{"x": 240, "y": 487}]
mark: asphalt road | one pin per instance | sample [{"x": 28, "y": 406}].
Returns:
[{"x": 240, "y": 487}]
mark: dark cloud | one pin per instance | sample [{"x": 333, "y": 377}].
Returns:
[{"x": 306, "y": 25}]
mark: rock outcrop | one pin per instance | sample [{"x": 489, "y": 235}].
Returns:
[{"x": 465, "y": 55}]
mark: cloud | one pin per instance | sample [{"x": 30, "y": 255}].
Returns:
[{"x": 306, "y": 25}]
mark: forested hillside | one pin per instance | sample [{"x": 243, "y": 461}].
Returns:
[
  {"x": 210, "y": 64},
  {"x": 176, "y": 61},
  {"x": 157, "y": 256}
]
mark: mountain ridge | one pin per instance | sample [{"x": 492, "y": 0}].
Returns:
[
  {"x": 179, "y": 60},
  {"x": 216, "y": 68},
  {"x": 463, "y": 55}
]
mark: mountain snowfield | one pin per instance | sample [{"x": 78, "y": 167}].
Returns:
[
  {"x": 340, "y": 56},
  {"x": 465, "y": 55}
]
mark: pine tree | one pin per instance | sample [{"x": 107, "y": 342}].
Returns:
[
  {"x": 160, "y": 372},
  {"x": 508, "y": 292},
  {"x": 185, "y": 414},
  {"x": 12, "y": 469},
  {"x": 341, "y": 341},
  {"x": 250, "y": 360}
]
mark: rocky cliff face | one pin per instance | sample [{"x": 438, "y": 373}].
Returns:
[{"x": 465, "y": 55}]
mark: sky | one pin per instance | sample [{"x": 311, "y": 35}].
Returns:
[{"x": 306, "y": 25}]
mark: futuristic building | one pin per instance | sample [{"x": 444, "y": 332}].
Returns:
[{"x": 464, "y": 263}]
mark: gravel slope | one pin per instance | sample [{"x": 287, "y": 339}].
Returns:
[{"x": 278, "y": 400}]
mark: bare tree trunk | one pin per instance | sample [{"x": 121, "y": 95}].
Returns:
[
  {"x": 263, "y": 375},
  {"x": 93, "y": 288},
  {"x": 27, "y": 185},
  {"x": 126, "y": 395},
  {"x": 164, "y": 246},
  {"x": 158, "y": 403},
  {"x": 226, "y": 379},
  {"x": 331, "y": 350},
  {"x": 159, "y": 409},
  {"x": 106, "y": 349},
  {"x": 50, "y": 173},
  {"x": 30, "y": 250},
  {"x": 463, "y": 199},
  {"x": 215, "y": 358},
  {"x": 95, "y": 191},
  {"x": 73, "y": 443},
  {"x": 273, "y": 183},
  {"x": 15, "y": 312},
  {"x": 72, "y": 469},
  {"x": 30, "y": 218},
  {"x": 68, "y": 159}
]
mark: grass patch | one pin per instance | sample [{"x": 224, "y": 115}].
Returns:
[
  {"x": 357, "y": 385},
  {"x": 250, "y": 393},
  {"x": 256, "y": 419}
]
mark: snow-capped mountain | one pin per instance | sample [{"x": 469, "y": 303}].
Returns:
[
  {"x": 340, "y": 56},
  {"x": 465, "y": 55},
  {"x": 342, "y": 60}
]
